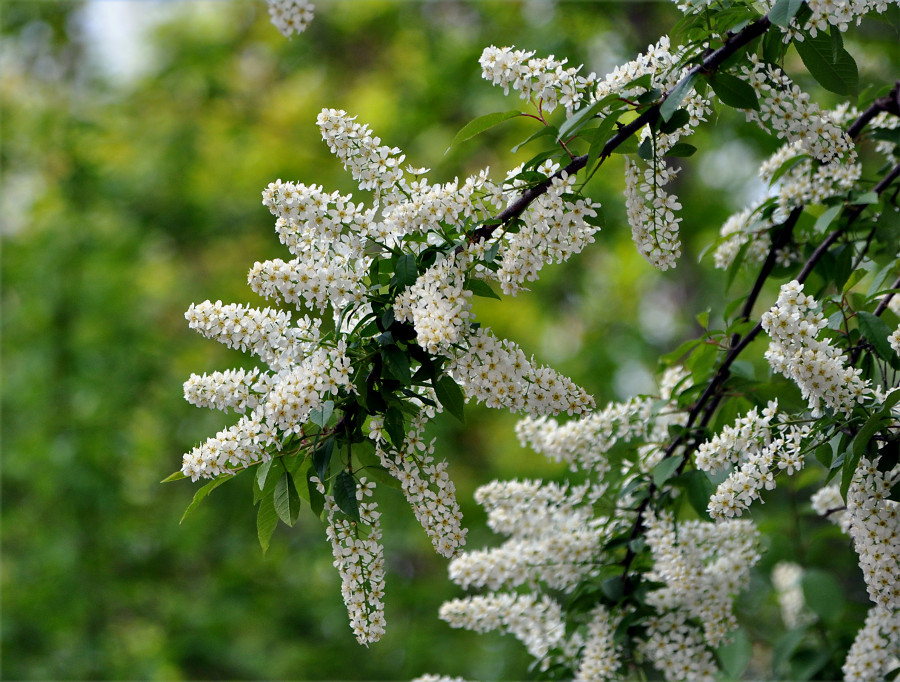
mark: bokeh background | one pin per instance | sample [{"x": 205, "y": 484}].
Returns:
[{"x": 136, "y": 138}]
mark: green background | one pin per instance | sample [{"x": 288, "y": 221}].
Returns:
[{"x": 125, "y": 200}]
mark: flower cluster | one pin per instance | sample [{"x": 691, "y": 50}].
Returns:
[
  {"x": 875, "y": 649},
  {"x": 426, "y": 486},
  {"x": 552, "y": 537},
  {"x": 552, "y": 230},
  {"x": 814, "y": 365},
  {"x": 536, "y": 621},
  {"x": 497, "y": 373},
  {"x": 437, "y": 305},
  {"x": 650, "y": 208},
  {"x": 325, "y": 231},
  {"x": 787, "y": 110},
  {"x": 600, "y": 657},
  {"x": 374, "y": 166},
  {"x": 805, "y": 182},
  {"x": 235, "y": 389},
  {"x": 873, "y": 521},
  {"x": 838, "y": 13},
  {"x": 758, "y": 446},
  {"x": 359, "y": 558},
  {"x": 290, "y": 16},
  {"x": 676, "y": 648},
  {"x": 786, "y": 579},
  {"x": 703, "y": 566},
  {"x": 536, "y": 79},
  {"x": 264, "y": 332}
]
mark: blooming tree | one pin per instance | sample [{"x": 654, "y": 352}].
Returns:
[{"x": 635, "y": 563}]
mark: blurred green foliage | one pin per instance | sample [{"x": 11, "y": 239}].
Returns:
[{"x": 124, "y": 200}]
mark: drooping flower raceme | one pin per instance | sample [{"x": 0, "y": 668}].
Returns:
[{"x": 814, "y": 365}]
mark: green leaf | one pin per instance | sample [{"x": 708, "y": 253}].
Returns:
[
  {"x": 450, "y": 396},
  {"x": 344, "y": 491},
  {"x": 679, "y": 118},
  {"x": 783, "y": 11},
  {"x": 867, "y": 198},
  {"x": 321, "y": 414},
  {"x": 681, "y": 149},
  {"x": 824, "y": 220},
  {"x": 201, "y": 494},
  {"x": 481, "y": 288},
  {"x": 286, "y": 499},
  {"x": 676, "y": 96},
  {"x": 491, "y": 252},
  {"x": 664, "y": 470},
  {"x": 266, "y": 520},
  {"x": 877, "y": 332},
  {"x": 735, "y": 655},
  {"x": 393, "y": 424},
  {"x": 645, "y": 150},
  {"x": 405, "y": 271},
  {"x": 480, "y": 124},
  {"x": 823, "y": 594},
  {"x": 733, "y": 91},
  {"x": 322, "y": 458},
  {"x": 613, "y": 588},
  {"x": 582, "y": 117},
  {"x": 599, "y": 137},
  {"x": 177, "y": 476},
  {"x": 542, "y": 132},
  {"x": 838, "y": 73},
  {"x": 824, "y": 455},
  {"x": 262, "y": 472},
  {"x": 316, "y": 498},
  {"x": 699, "y": 489},
  {"x": 397, "y": 364}
]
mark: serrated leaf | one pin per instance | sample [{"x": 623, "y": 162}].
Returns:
[
  {"x": 266, "y": 521},
  {"x": 481, "y": 288},
  {"x": 663, "y": 471},
  {"x": 450, "y": 396},
  {"x": 201, "y": 494},
  {"x": 480, "y": 124},
  {"x": 177, "y": 476},
  {"x": 877, "y": 332},
  {"x": 783, "y": 11},
  {"x": 322, "y": 458},
  {"x": 405, "y": 272},
  {"x": 838, "y": 73},
  {"x": 734, "y": 91},
  {"x": 286, "y": 499},
  {"x": 321, "y": 414},
  {"x": 676, "y": 97},
  {"x": 344, "y": 491}
]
